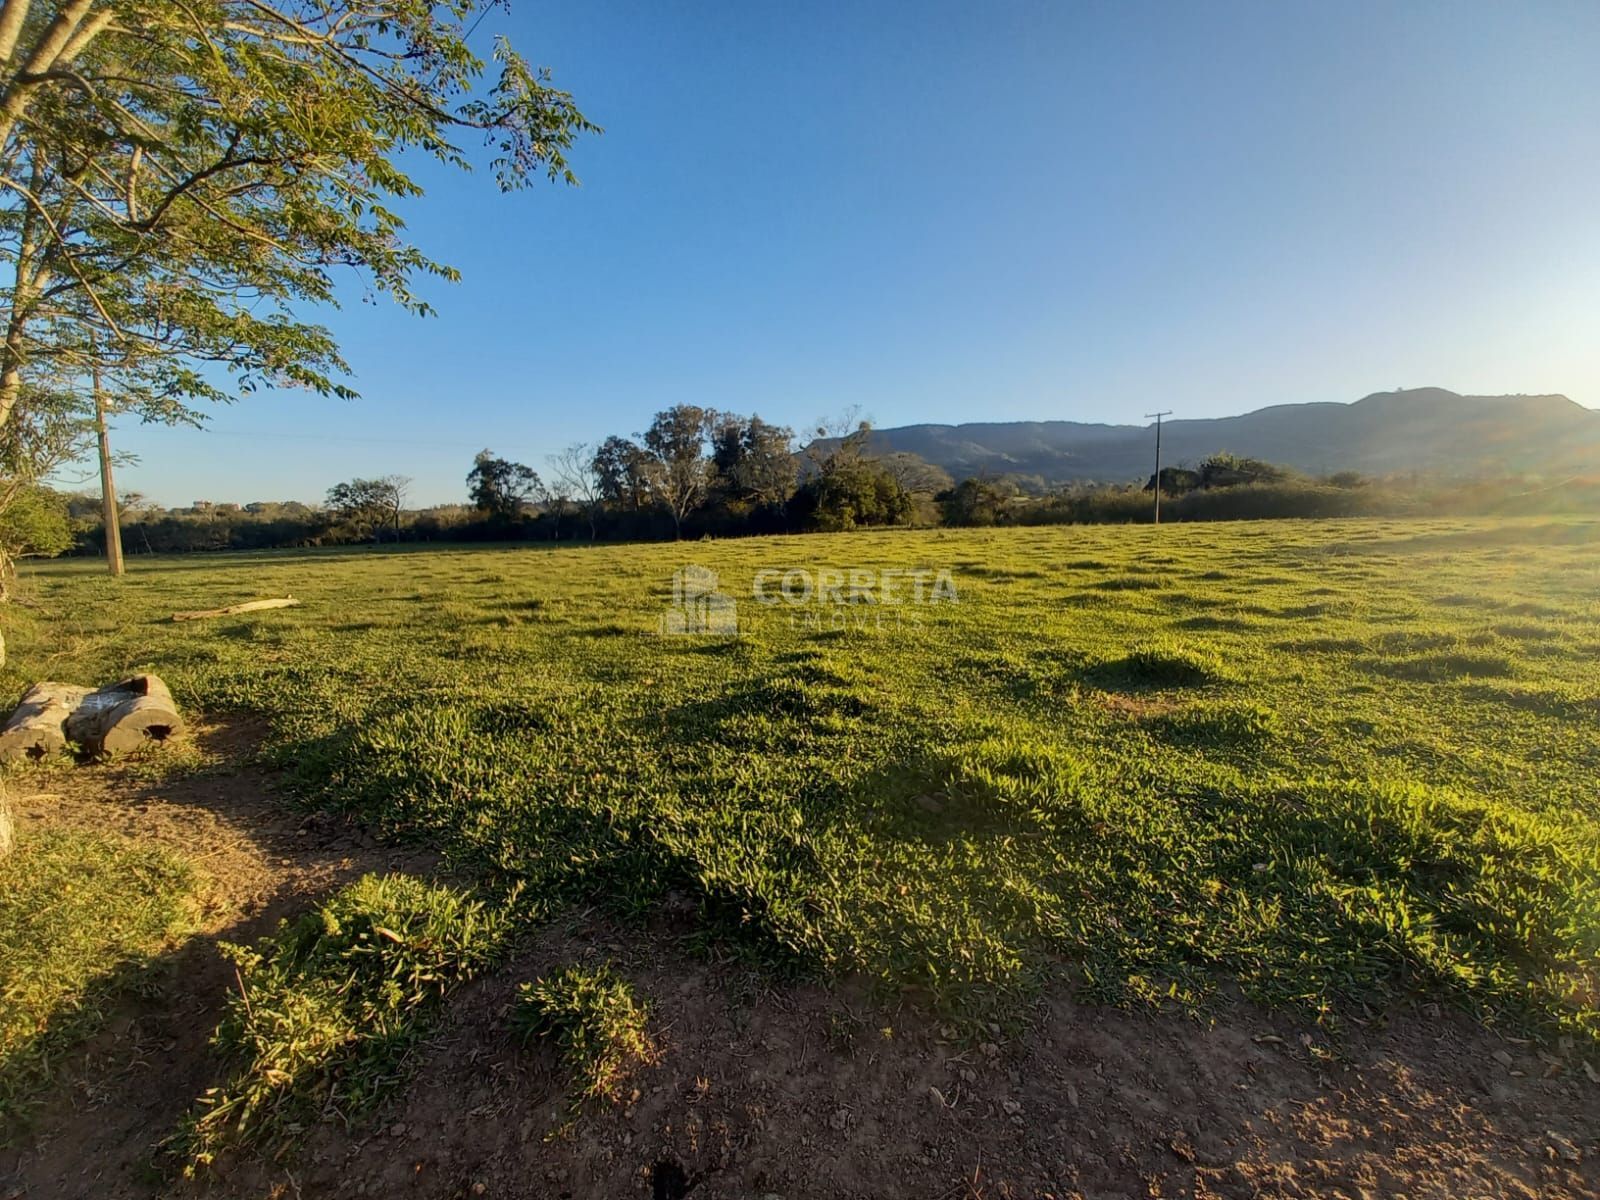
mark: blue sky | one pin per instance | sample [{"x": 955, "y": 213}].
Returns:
[{"x": 997, "y": 211}]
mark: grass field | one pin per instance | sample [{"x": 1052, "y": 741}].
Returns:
[{"x": 1328, "y": 763}]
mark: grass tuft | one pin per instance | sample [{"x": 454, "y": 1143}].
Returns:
[
  {"x": 594, "y": 1020},
  {"x": 330, "y": 1004},
  {"x": 1171, "y": 664}
]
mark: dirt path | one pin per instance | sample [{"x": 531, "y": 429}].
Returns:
[{"x": 793, "y": 1092}]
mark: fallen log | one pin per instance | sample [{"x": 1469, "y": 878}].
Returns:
[
  {"x": 8, "y": 837},
  {"x": 36, "y": 728},
  {"x": 249, "y": 606},
  {"x": 124, "y": 716}
]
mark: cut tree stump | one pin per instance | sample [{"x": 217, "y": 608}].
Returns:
[
  {"x": 249, "y": 606},
  {"x": 35, "y": 729},
  {"x": 124, "y": 716}
]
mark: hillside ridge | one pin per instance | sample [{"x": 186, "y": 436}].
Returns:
[{"x": 1428, "y": 429}]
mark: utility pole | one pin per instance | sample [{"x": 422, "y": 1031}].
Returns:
[
  {"x": 108, "y": 490},
  {"x": 1157, "y": 487}
]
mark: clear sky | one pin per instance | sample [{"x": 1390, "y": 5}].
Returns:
[{"x": 975, "y": 211}]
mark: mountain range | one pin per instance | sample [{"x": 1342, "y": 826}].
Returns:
[{"x": 1413, "y": 430}]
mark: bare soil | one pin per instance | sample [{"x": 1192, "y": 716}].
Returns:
[{"x": 788, "y": 1091}]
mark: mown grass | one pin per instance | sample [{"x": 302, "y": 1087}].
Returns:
[
  {"x": 82, "y": 916},
  {"x": 1334, "y": 763}
]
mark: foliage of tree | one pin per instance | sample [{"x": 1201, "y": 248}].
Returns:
[
  {"x": 755, "y": 461},
  {"x": 847, "y": 488},
  {"x": 369, "y": 506},
  {"x": 35, "y": 522},
  {"x": 916, "y": 475},
  {"x": 975, "y": 501},
  {"x": 620, "y": 470},
  {"x": 501, "y": 488},
  {"x": 677, "y": 469},
  {"x": 180, "y": 178}
]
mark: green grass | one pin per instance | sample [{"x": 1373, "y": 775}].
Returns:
[
  {"x": 329, "y": 1005},
  {"x": 593, "y": 1019},
  {"x": 1334, "y": 763},
  {"x": 82, "y": 915}
]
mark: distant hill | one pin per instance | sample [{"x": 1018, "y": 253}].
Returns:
[{"x": 1420, "y": 429}]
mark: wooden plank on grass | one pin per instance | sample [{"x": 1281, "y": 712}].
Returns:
[{"x": 248, "y": 606}]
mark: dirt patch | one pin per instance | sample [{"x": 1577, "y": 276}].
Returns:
[
  {"x": 1135, "y": 706},
  {"x": 259, "y": 859},
  {"x": 803, "y": 1092}
]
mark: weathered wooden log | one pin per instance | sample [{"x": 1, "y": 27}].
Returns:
[
  {"x": 8, "y": 837},
  {"x": 248, "y": 606},
  {"x": 125, "y": 716},
  {"x": 37, "y": 727}
]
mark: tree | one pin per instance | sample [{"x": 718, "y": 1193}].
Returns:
[
  {"x": 574, "y": 473},
  {"x": 857, "y": 492},
  {"x": 35, "y": 522},
  {"x": 1230, "y": 470},
  {"x": 677, "y": 469},
  {"x": 755, "y": 461},
  {"x": 179, "y": 177},
  {"x": 620, "y": 468},
  {"x": 915, "y": 474},
  {"x": 500, "y": 487},
  {"x": 369, "y": 505},
  {"x": 975, "y": 502}
]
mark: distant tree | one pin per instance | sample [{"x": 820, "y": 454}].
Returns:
[
  {"x": 573, "y": 471},
  {"x": 501, "y": 488},
  {"x": 678, "y": 470},
  {"x": 1175, "y": 481},
  {"x": 915, "y": 474},
  {"x": 620, "y": 470},
  {"x": 754, "y": 461},
  {"x": 854, "y": 493},
  {"x": 1230, "y": 470},
  {"x": 844, "y": 487},
  {"x": 368, "y": 506},
  {"x": 767, "y": 467},
  {"x": 975, "y": 502}
]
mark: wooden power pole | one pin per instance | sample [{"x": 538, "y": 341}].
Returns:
[
  {"x": 1157, "y": 488},
  {"x": 108, "y": 490}
]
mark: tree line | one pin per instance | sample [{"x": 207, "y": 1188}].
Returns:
[{"x": 695, "y": 473}]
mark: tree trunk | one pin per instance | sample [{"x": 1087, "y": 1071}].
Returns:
[
  {"x": 125, "y": 716},
  {"x": 37, "y": 729}
]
